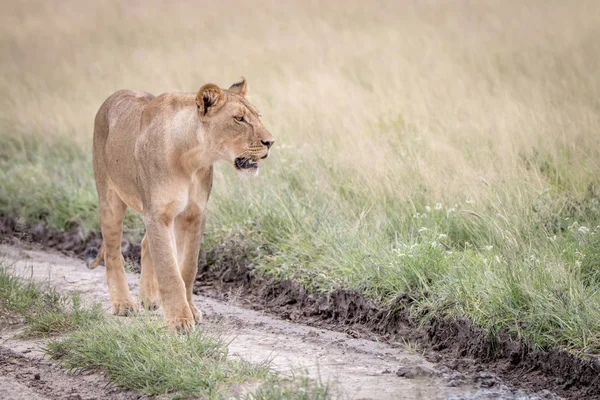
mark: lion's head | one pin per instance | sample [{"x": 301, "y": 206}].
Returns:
[{"x": 233, "y": 126}]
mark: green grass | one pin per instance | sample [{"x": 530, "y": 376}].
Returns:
[
  {"x": 531, "y": 271},
  {"x": 44, "y": 311},
  {"x": 300, "y": 388},
  {"x": 144, "y": 355}
]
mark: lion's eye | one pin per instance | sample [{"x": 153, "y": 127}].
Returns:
[{"x": 239, "y": 119}]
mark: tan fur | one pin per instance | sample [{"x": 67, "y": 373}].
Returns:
[{"x": 155, "y": 155}]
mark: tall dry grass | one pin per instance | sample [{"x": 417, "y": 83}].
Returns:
[
  {"x": 380, "y": 111},
  {"x": 407, "y": 95}
]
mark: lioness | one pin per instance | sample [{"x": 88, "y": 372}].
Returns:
[{"x": 156, "y": 155}]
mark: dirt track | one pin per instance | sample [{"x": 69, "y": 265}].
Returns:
[{"x": 357, "y": 368}]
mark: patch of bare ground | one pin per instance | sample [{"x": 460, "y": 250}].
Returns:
[{"x": 26, "y": 374}]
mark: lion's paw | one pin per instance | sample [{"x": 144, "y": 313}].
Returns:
[
  {"x": 150, "y": 303},
  {"x": 124, "y": 308},
  {"x": 181, "y": 325},
  {"x": 196, "y": 312}
]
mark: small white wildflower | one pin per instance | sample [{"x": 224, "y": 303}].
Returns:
[
  {"x": 435, "y": 243},
  {"x": 427, "y": 208},
  {"x": 450, "y": 210},
  {"x": 467, "y": 244},
  {"x": 442, "y": 236},
  {"x": 489, "y": 247},
  {"x": 438, "y": 206},
  {"x": 423, "y": 229},
  {"x": 449, "y": 253},
  {"x": 578, "y": 263},
  {"x": 584, "y": 229}
]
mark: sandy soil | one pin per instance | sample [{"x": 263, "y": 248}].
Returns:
[{"x": 356, "y": 368}]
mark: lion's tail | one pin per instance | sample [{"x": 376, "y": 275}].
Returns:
[{"x": 99, "y": 258}]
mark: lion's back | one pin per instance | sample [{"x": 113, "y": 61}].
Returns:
[{"x": 122, "y": 110}]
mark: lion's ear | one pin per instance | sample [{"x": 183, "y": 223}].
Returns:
[
  {"x": 210, "y": 98},
  {"x": 240, "y": 87}
]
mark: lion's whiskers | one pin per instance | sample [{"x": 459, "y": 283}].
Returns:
[{"x": 248, "y": 153}]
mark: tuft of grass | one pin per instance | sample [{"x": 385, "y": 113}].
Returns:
[
  {"x": 146, "y": 356},
  {"x": 45, "y": 311},
  {"x": 298, "y": 388}
]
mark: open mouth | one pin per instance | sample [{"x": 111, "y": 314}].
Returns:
[{"x": 245, "y": 163}]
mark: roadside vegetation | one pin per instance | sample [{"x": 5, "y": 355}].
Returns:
[
  {"x": 449, "y": 151},
  {"x": 42, "y": 309},
  {"x": 140, "y": 353}
]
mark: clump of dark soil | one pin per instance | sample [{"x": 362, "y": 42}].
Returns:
[
  {"x": 567, "y": 374},
  {"x": 227, "y": 271},
  {"x": 72, "y": 242}
]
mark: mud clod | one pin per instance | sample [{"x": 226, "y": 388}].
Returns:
[
  {"x": 456, "y": 382},
  {"x": 486, "y": 380},
  {"x": 405, "y": 372}
]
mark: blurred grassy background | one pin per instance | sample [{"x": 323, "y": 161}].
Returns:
[{"x": 448, "y": 147}]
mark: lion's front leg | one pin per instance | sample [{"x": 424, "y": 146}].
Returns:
[
  {"x": 159, "y": 231},
  {"x": 188, "y": 233}
]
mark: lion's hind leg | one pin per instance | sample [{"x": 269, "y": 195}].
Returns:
[
  {"x": 149, "y": 294},
  {"x": 93, "y": 263},
  {"x": 112, "y": 212}
]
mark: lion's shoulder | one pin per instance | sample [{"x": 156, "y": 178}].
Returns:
[
  {"x": 173, "y": 108},
  {"x": 173, "y": 101}
]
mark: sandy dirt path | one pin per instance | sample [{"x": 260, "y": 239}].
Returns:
[{"x": 356, "y": 368}]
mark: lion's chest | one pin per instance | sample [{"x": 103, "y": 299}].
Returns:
[{"x": 190, "y": 195}]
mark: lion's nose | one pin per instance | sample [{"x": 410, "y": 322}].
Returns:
[{"x": 268, "y": 143}]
